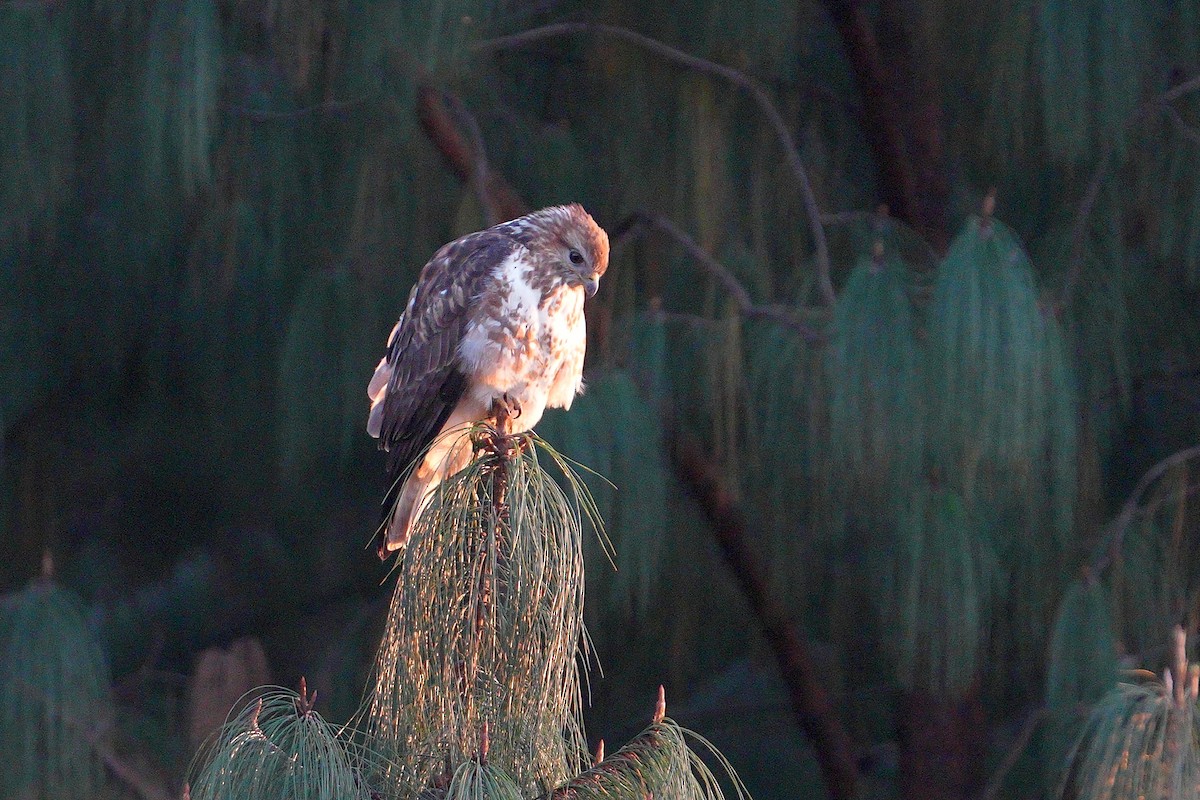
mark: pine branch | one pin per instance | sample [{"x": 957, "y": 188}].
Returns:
[
  {"x": 1115, "y": 532},
  {"x": 897, "y": 97},
  {"x": 739, "y": 80},
  {"x": 1092, "y": 195},
  {"x": 810, "y": 702},
  {"x": 500, "y": 201},
  {"x": 480, "y": 169},
  {"x": 639, "y": 223},
  {"x": 1020, "y": 742}
]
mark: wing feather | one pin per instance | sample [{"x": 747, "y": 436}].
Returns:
[{"x": 425, "y": 382}]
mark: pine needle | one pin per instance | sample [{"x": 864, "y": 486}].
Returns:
[
  {"x": 486, "y": 624},
  {"x": 278, "y": 747},
  {"x": 54, "y": 696}
]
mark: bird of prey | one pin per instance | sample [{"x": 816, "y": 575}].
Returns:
[{"x": 495, "y": 319}]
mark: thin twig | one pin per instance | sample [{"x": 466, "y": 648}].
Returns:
[
  {"x": 328, "y": 107},
  {"x": 1115, "y": 533},
  {"x": 640, "y": 222},
  {"x": 1189, "y": 131},
  {"x": 996, "y": 782},
  {"x": 739, "y": 79},
  {"x": 134, "y": 779},
  {"x": 1092, "y": 195}
]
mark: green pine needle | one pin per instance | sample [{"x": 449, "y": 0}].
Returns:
[
  {"x": 278, "y": 747},
  {"x": 180, "y": 87},
  {"x": 332, "y": 341},
  {"x": 940, "y": 599},
  {"x": 1082, "y": 667},
  {"x": 1083, "y": 650},
  {"x": 1001, "y": 382},
  {"x": 55, "y": 700},
  {"x": 37, "y": 148},
  {"x": 1137, "y": 744},
  {"x": 657, "y": 763},
  {"x": 476, "y": 781},
  {"x": 875, "y": 405},
  {"x": 616, "y": 433},
  {"x": 486, "y": 624}
]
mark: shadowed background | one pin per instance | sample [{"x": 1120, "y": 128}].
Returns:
[{"x": 903, "y": 304}]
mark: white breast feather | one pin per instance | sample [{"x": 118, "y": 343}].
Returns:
[{"x": 530, "y": 351}]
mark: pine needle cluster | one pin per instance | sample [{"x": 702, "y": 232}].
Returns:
[
  {"x": 874, "y": 378},
  {"x": 477, "y": 687},
  {"x": 485, "y": 626},
  {"x": 1142, "y": 740},
  {"x": 55, "y": 701},
  {"x": 278, "y": 746}
]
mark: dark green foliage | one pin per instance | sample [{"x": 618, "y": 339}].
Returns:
[
  {"x": 55, "y": 703},
  {"x": 278, "y": 747},
  {"x": 615, "y": 433},
  {"x": 211, "y": 212},
  {"x": 939, "y": 594},
  {"x": 1083, "y": 651},
  {"x": 786, "y": 384},
  {"x": 872, "y": 371},
  {"x": 333, "y": 338},
  {"x": 656, "y": 763},
  {"x": 1093, "y": 57},
  {"x": 1157, "y": 541},
  {"x": 180, "y": 87},
  {"x": 36, "y": 149},
  {"x": 1003, "y": 409},
  {"x": 1081, "y": 669}
]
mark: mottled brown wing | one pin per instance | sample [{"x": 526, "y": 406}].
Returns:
[{"x": 426, "y": 383}]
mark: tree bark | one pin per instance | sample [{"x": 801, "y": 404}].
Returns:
[
  {"x": 810, "y": 701},
  {"x": 439, "y": 126},
  {"x": 902, "y": 115}
]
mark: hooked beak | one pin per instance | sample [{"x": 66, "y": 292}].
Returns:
[{"x": 591, "y": 286}]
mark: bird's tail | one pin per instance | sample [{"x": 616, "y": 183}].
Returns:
[
  {"x": 401, "y": 513},
  {"x": 410, "y": 494}
]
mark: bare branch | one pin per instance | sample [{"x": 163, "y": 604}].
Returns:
[
  {"x": 1190, "y": 132},
  {"x": 480, "y": 170},
  {"x": 640, "y": 222},
  {"x": 499, "y": 198},
  {"x": 1115, "y": 531},
  {"x": 996, "y": 782},
  {"x": 1092, "y": 194},
  {"x": 143, "y": 786},
  {"x": 739, "y": 80}
]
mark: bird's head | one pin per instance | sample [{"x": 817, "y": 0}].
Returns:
[{"x": 577, "y": 248}]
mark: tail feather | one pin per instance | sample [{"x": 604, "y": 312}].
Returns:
[
  {"x": 402, "y": 513},
  {"x": 408, "y": 497}
]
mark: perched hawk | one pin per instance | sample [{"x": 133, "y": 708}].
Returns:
[{"x": 496, "y": 317}]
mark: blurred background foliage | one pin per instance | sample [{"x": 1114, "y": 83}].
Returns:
[{"x": 211, "y": 212}]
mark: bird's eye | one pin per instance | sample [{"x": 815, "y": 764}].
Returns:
[{"x": 576, "y": 257}]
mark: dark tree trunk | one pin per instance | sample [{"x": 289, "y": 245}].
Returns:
[
  {"x": 902, "y": 114},
  {"x": 810, "y": 701},
  {"x": 941, "y": 743}
]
